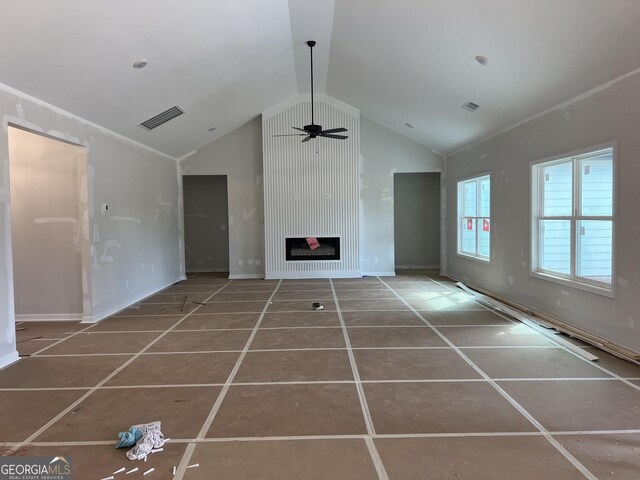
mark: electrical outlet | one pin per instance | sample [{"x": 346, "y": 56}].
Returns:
[
  {"x": 375, "y": 259},
  {"x": 250, "y": 261},
  {"x": 240, "y": 262}
]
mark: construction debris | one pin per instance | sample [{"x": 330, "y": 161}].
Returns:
[{"x": 317, "y": 306}]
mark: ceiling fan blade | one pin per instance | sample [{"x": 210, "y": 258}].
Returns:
[
  {"x": 328, "y": 135},
  {"x": 291, "y": 135},
  {"x": 335, "y": 130},
  {"x": 306, "y": 139},
  {"x": 301, "y": 129}
]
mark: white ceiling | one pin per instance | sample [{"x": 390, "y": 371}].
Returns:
[{"x": 225, "y": 61}]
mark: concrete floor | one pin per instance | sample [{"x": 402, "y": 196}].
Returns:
[{"x": 402, "y": 378}]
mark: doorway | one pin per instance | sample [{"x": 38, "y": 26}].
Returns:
[
  {"x": 49, "y": 230},
  {"x": 416, "y": 205},
  {"x": 206, "y": 223}
]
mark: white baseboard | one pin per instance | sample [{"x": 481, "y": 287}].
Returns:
[
  {"x": 245, "y": 276},
  {"x": 378, "y": 274},
  {"x": 418, "y": 267},
  {"x": 8, "y": 359},
  {"x": 103, "y": 311},
  {"x": 315, "y": 274},
  {"x": 49, "y": 317}
]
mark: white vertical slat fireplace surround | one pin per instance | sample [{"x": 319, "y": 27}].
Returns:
[{"x": 311, "y": 189}]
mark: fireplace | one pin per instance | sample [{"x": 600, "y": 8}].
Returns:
[{"x": 312, "y": 248}]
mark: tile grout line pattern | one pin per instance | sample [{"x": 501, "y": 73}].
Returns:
[
  {"x": 47, "y": 425},
  {"x": 574, "y": 461},
  {"x": 188, "y": 453},
  {"x": 373, "y": 451}
]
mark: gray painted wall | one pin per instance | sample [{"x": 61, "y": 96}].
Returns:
[
  {"x": 610, "y": 114},
  {"x": 383, "y": 154},
  {"x": 135, "y": 249},
  {"x": 206, "y": 223},
  {"x": 416, "y": 204},
  {"x": 239, "y": 156},
  {"x": 45, "y": 211}
]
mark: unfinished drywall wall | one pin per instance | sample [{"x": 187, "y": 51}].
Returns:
[
  {"x": 135, "y": 248},
  {"x": 238, "y": 155},
  {"x": 608, "y": 114},
  {"x": 416, "y": 210},
  {"x": 45, "y": 226},
  {"x": 206, "y": 223},
  {"x": 383, "y": 154}
]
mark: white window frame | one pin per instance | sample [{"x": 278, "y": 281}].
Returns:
[
  {"x": 536, "y": 214},
  {"x": 460, "y": 216}
]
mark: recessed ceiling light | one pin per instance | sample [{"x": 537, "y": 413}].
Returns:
[
  {"x": 409, "y": 125},
  {"x": 212, "y": 129},
  {"x": 140, "y": 63},
  {"x": 482, "y": 60}
]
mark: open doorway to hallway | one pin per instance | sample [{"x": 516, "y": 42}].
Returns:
[
  {"x": 206, "y": 223},
  {"x": 49, "y": 237},
  {"x": 416, "y": 220}
]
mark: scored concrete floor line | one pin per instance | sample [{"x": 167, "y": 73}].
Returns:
[
  {"x": 95, "y": 388},
  {"x": 583, "y": 359},
  {"x": 188, "y": 453},
  {"x": 371, "y": 447},
  {"x": 545, "y": 433}
]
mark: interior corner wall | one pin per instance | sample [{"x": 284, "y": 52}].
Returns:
[
  {"x": 384, "y": 153},
  {"x": 135, "y": 247},
  {"x": 610, "y": 114},
  {"x": 239, "y": 156}
]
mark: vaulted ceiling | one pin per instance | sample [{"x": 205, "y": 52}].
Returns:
[{"x": 399, "y": 62}]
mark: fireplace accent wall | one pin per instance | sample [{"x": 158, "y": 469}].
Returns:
[{"x": 299, "y": 249}]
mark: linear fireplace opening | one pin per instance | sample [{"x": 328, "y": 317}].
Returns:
[{"x": 313, "y": 248}]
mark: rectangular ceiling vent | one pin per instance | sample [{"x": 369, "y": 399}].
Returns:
[
  {"x": 161, "y": 118},
  {"x": 472, "y": 107}
]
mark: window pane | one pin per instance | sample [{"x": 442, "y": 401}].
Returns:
[
  {"x": 469, "y": 198},
  {"x": 555, "y": 246},
  {"x": 558, "y": 184},
  {"x": 468, "y": 235},
  {"x": 485, "y": 197},
  {"x": 595, "y": 247},
  {"x": 484, "y": 227},
  {"x": 597, "y": 185}
]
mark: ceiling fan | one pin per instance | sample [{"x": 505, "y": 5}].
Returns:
[{"x": 313, "y": 130}]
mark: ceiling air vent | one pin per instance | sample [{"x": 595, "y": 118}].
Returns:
[
  {"x": 161, "y": 118},
  {"x": 472, "y": 107}
]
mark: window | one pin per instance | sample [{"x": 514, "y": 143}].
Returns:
[
  {"x": 474, "y": 217},
  {"x": 572, "y": 220}
]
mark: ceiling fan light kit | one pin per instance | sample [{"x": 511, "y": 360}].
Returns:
[{"x": 313, "y": 130}]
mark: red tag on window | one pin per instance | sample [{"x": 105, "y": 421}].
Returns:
[
  {"x": 469, "y": 224},
  {"x": 485, "y": 225}
]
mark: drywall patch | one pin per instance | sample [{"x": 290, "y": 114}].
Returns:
[
  {"x": 483, "y": 156},
  {"x": 623, "y": 282},
  {"x": 246, "y": 215},
  {"x": 512, "y": 281},
  {"x": 631, "y": 322},
  {"x": 126, "y": 219},
  {"x": 386, "y": 195},
  {"x": 392, "y": 172},
  {"x": 109, "y": 245}
]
